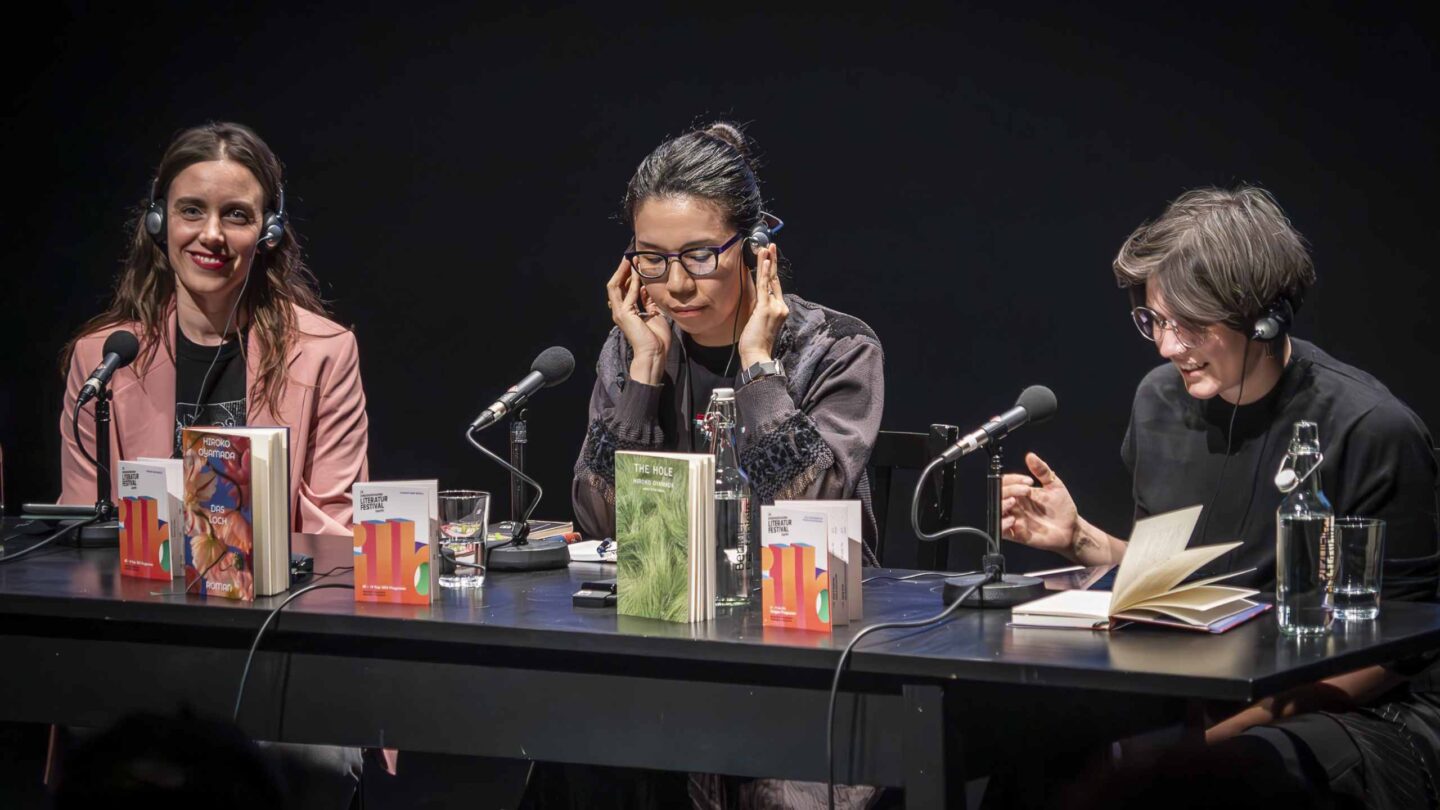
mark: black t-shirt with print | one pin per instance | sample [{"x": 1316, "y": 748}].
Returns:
[{"x": 209, "y": 385}]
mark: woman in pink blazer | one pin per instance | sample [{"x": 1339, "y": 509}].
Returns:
[{"x": 232, "y": 331}]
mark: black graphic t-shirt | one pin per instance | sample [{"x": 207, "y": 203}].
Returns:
[
  {"x": 707, "y": 371},
  {"x": 205, "y": 395}
]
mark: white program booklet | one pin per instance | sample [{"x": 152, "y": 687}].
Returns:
[
  {"x": 845, "y": 520},
  {"x": 151, "y": 492},
  {"x": 394, "y": 537}
]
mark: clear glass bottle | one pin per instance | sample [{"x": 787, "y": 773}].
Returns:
[
  {"x": 1304, "y": 539},
  {"x": 736, "y": 562}
]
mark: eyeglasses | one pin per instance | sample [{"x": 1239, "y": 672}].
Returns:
[
  {"x": 1148, "y": 321},
  {"x": 699, "y": 261}
]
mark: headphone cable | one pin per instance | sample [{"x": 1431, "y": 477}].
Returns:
[
  {"x": 1229, "y": 438},
  {"x": 229, "y": 319}
]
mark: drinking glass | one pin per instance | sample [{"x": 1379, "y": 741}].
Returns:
[
  {"x": 464, "y": 516},
  {"x": 1360, "y": 543}
]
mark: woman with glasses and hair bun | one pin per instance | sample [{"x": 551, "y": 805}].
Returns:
[
  {"x": 1215, "y": 282},
  {"x": 690, "y": 317}
]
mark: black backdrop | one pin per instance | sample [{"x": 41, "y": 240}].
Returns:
[{"x": 960, "y": 179}]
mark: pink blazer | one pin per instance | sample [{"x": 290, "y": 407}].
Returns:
[{"x": 323, "y": 405}]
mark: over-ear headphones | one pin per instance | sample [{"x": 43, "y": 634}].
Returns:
[
  {"x": 1276, "y": 320},
  {"x": 760, "y": 237},
  {"x": 272, "y": 229}
]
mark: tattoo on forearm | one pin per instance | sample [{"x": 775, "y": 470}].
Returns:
[{"x": 1085, "y": 543}]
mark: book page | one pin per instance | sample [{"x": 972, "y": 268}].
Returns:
[
  {"x": 1166, "y": 574},
  {"x": 1082, "y": 604},
  {"x": 1209, "y": 580},
  {"x": 1154, "y": 540},
  {"x": 705, "y": 484},
  {"x": 703, "y": 550},
  {"x": 1197, "y": 618},
  {"x": 1207, "y": 597},
  {"x": 1064, "y": 622},
  {"x": 274, "y": 554}
]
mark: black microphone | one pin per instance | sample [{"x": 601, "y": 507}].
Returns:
[
  {"x": 552, "y": 367},
  {"x": 1036, "y": 404},
  {"x": 120, "y": 350}
]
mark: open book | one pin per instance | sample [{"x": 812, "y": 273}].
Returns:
[{"x": 1148, "y": 586}]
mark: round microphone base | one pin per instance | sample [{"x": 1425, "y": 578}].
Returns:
[
  {"x": 535, "y": 555},
  {"x": 1009, "y": 591},
  {"x": 105, "y": 534}
]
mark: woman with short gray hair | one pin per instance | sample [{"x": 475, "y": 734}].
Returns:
[{"x": 1214, "y": 284}]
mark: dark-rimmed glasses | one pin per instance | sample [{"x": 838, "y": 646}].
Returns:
[
  {"x": 697, "y": 261},
  {"x": 1151, "y": 325}
]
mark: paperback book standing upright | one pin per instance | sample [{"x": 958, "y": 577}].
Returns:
[
  {"x": 665, "y": 531},
  {"x": 237, "y": 511}
]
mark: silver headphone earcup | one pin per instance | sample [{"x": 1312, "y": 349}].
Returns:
[
  {"x": 758, "y": 240},
  {"x": 273, "y": 232},
  {"x": 154, "y": 221}
]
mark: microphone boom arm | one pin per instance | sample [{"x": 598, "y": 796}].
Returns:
[
  {"x": 524, "y": 528},
  {"x": 943, "y": 533}
]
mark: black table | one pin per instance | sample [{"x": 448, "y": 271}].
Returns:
[{"x": 518, "y": 672}]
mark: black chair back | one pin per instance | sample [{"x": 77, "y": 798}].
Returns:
[{"x": 901, "y": 450}]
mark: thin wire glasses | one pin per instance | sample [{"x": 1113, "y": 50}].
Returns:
[
  {"x": 697, "y": 261},
  {"x": 1150, "y": 324}
]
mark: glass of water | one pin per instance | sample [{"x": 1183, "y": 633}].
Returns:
[
  {"x": 1360, "y": 547},
  {"x": 464, "y": 516}
]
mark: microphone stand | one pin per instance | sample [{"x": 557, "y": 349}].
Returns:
[
  {"x": 519, "y": 553},
  {"x": 104, "y": 530},
  {"x": 993, "y": 588},
  {"x": 518, "y": 440}
]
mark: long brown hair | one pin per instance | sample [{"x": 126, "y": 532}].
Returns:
[{"x": 145, "y": 289}]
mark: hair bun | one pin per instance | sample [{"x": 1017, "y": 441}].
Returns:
[{"x": 730, "y": 134}]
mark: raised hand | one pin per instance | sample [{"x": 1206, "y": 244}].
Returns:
[
  {"x": 757, "y": 341},
  {"x": 640, "y": 320},
  {"x": 1041, "y": 516}
]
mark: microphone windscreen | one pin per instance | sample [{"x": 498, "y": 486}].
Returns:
[
  {"x": 1039, "y": 402},
  {"x": 555, "y": 364},
  {"x": 124, "y": 344}
]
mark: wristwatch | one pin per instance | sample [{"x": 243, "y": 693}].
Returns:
[{"x": 762, "y": 369}]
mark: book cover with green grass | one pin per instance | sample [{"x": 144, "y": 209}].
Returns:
[{"x": 657, "y": 525}]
